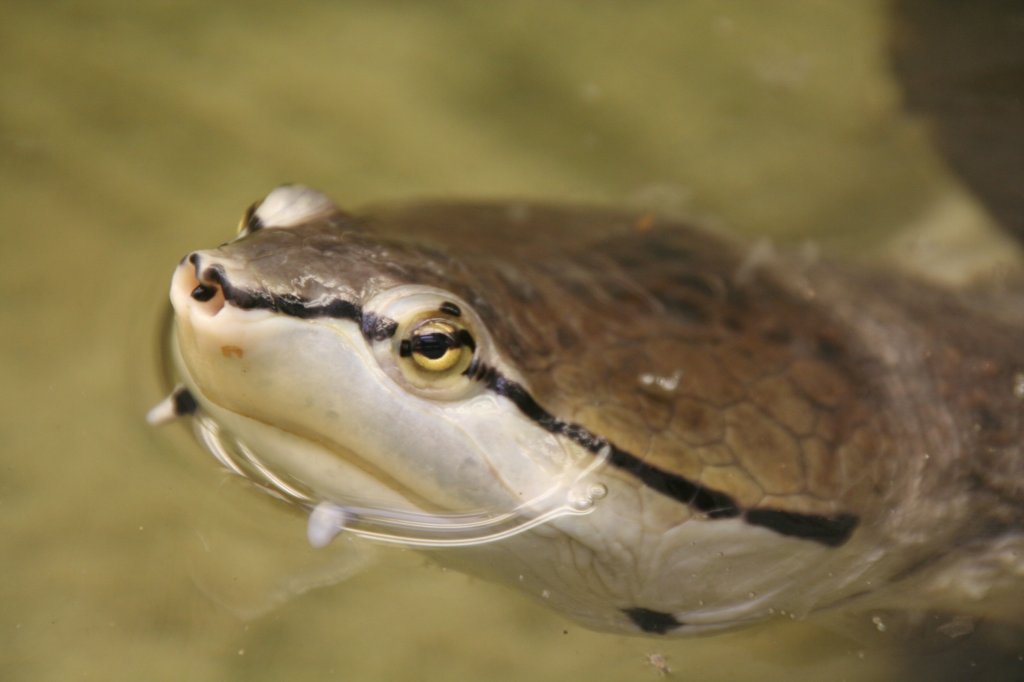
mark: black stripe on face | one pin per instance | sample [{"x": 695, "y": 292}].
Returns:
[
  {"x": 715, "y": 504},
  {"x": 286, "y": 304},
  {"x": 831, "y": 531},
  {"x": 377, "y": 327},
  {"x": 374, "y": 327}
]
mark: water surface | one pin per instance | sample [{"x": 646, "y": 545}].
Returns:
[{"x": 131, "y": 133}]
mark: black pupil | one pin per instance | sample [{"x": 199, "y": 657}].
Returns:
[{"x": 433, "y": 345}]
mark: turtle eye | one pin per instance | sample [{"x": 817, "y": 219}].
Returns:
[
  {"x": 435, "y": 341},
  {"x": 438, "y": 346}
]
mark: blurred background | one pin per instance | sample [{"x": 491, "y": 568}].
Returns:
[{"x": 133, "y": 132}]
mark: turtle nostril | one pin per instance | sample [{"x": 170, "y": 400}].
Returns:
[
  {"x": 204, "y": 292},
  {"x": 191, "y": 293}
]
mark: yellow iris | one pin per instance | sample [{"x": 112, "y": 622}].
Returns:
[{"x": 435, "y": 346}]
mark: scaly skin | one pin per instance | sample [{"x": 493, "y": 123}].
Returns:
[{"x": 811, "y": 387}]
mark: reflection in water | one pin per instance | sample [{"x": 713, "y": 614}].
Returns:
[
  {"x": 130, "y": 132},
  {"x": 230, "y": 564}
]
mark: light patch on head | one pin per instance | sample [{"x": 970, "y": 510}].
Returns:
[{"x": 291, "y": 205}]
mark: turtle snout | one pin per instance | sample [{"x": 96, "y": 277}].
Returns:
[{"x": 197, "y": 287}]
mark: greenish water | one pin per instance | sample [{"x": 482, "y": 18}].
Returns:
[{"x": 131, "y": 133}]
